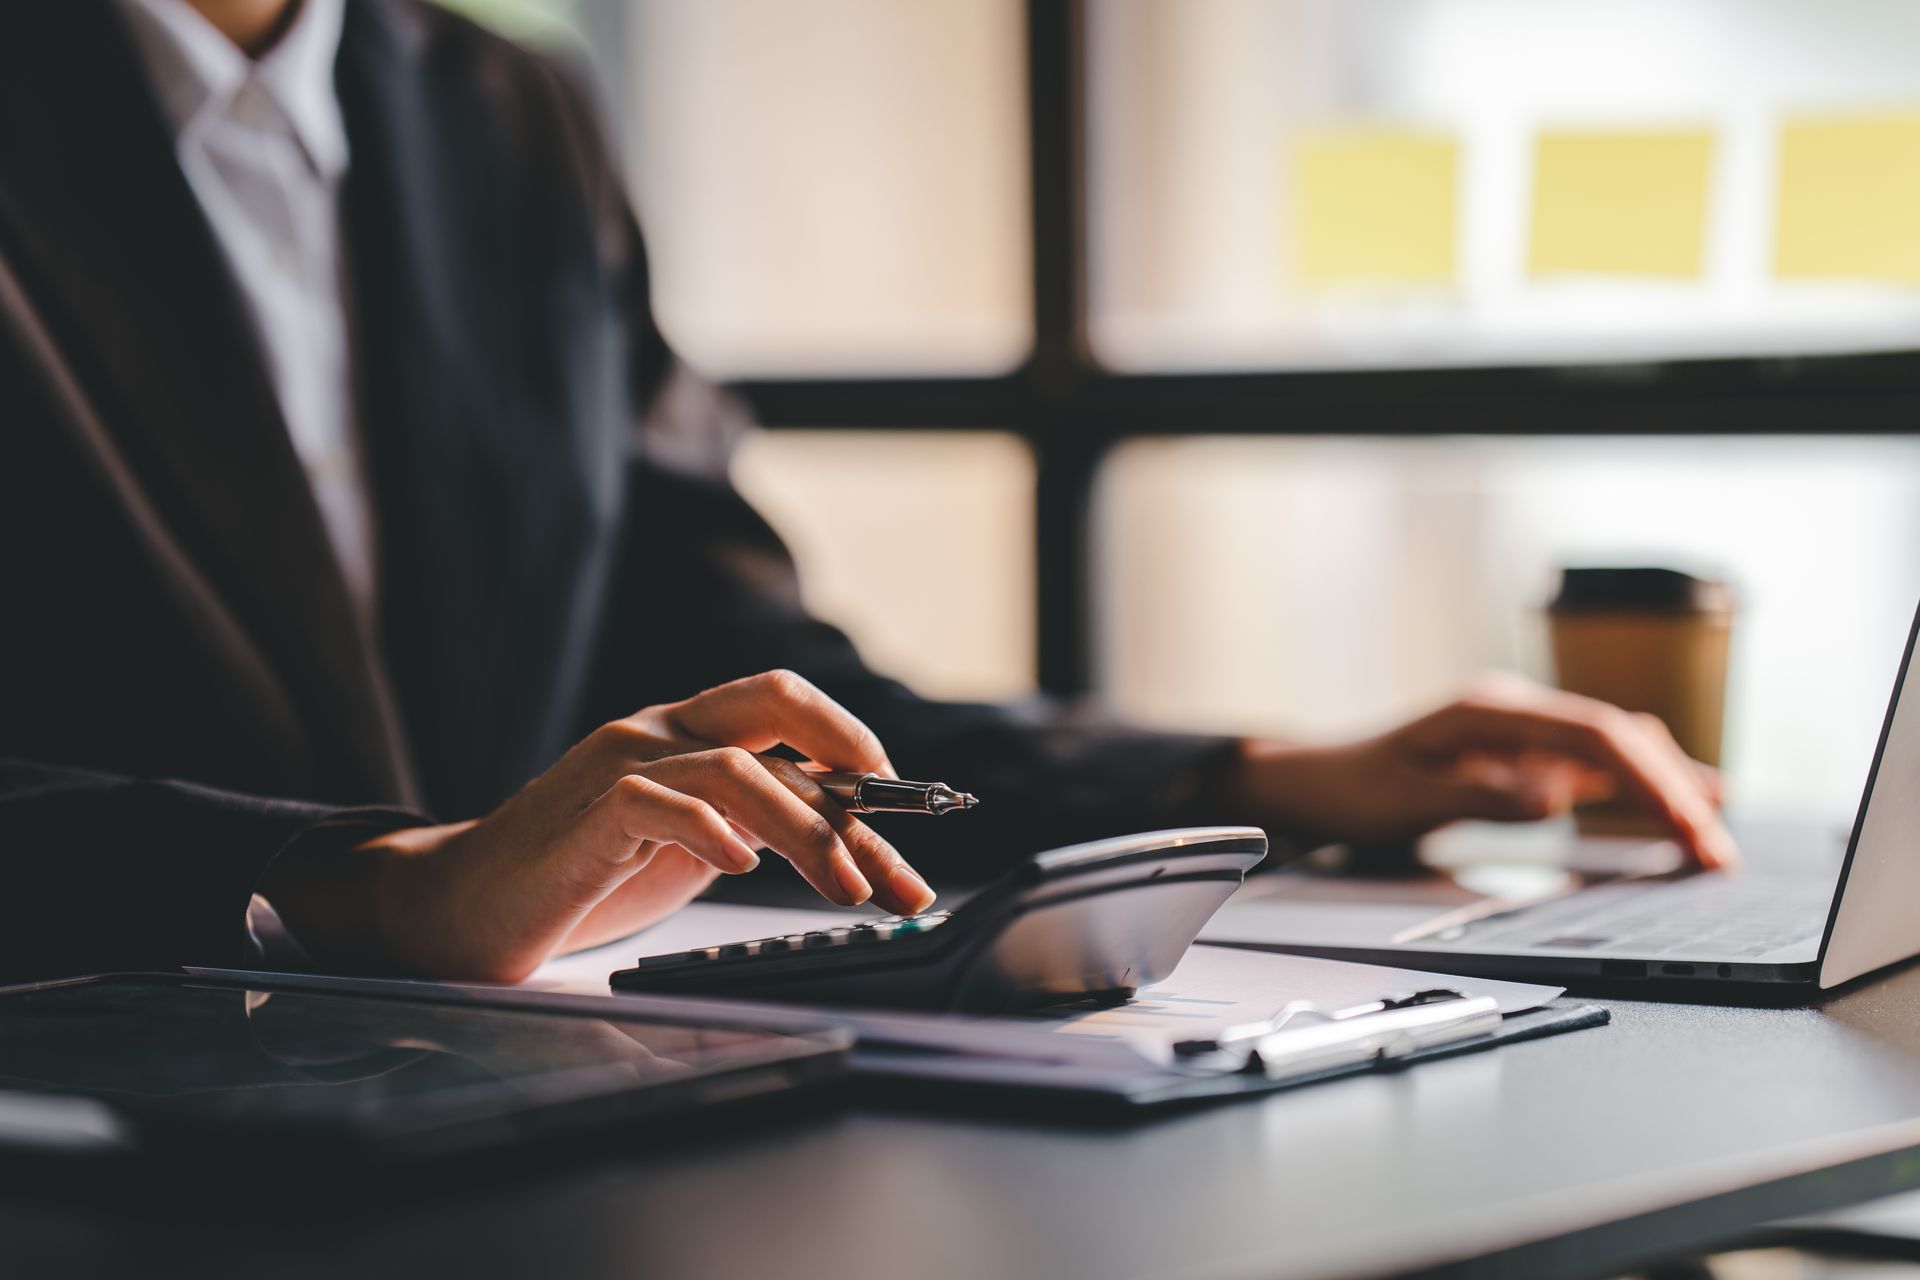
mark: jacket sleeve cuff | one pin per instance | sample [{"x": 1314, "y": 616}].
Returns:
[{"x": 269, "y": 943}]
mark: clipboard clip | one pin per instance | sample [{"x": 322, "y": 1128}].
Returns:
[{"x": 1305, "y": 1039}]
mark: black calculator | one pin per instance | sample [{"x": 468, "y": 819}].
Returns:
[{"x": 1093, "y": 921}]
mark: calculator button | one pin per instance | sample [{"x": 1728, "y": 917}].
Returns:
[
  {"x": 817, "y": 939},
  {"x": 668, "y": 961},
  {"x": 734, "y": 949},
  {"x": 772, "y": 945}
]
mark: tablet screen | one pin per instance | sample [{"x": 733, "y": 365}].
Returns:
[{"x": 233, "y": 1058}]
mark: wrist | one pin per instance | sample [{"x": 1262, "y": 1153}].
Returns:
[
  {"x": 400, "y": 897},
  {"x": 337, "y": 889},
  {"x": 1281, "y": 786}
]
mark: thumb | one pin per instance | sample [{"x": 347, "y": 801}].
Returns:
[{"x": 1515, "y": 796}]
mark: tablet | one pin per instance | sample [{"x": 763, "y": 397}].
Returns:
[{"x": 188, "y": 1067}]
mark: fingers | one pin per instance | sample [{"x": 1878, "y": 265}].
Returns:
[
  {"x": 896, "y": 886},
  {"x": 736, "y": 786},
  {"x": 505, "y": 907},
  {"x": 1649, "y": 765},
  {"x": 770, "y": 802},
  {"x": 1501, "y": 790},
  {"x": 1490, "y": 801},
  {"x": 776, "y": 804},
  {"x": 670, "y": 880},
  {"x": 1708, "y": 776},
  {"x": 778, "y": 707},
  {"x": 637, "y": 810}
]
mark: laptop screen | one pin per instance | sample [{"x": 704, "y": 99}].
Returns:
[{"x": 1873, "y": 918}]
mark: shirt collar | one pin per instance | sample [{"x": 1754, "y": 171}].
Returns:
[{"x": 195, "y": 69}]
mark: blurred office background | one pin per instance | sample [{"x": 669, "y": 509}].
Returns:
[{"x": 1253, "y": 364}]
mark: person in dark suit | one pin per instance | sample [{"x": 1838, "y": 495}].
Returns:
[{"x": 347, "y": 484}]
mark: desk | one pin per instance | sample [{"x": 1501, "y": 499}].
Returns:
[{"x": 1676, "y": 1127}]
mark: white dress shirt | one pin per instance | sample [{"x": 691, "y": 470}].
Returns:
[{"x": 264, "y": 148}]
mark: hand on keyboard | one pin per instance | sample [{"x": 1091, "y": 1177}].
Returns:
[{"x": 1510, "y": 751}]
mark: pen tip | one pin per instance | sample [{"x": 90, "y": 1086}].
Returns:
[{"x": 944, "y": 799}]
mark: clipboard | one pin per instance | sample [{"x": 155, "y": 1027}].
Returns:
[
  {"x": 1100, "y": 1060},
  {"x": 1301, "y": 1046}
]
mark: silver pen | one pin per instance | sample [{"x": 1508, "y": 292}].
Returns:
[
  {"x": 1303, "y": 1038},
  {"x": 871, "y": 793}
]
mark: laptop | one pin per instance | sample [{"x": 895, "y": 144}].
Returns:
[{"x": 1755, "y": 933}]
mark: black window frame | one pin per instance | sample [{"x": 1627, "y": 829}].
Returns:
[{"x": 1072, "y": 411}]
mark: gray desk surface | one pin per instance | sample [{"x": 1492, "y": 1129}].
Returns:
[
  {"x": 1674, "y": 1127},
  {"x": 1677, "y": 1127}
]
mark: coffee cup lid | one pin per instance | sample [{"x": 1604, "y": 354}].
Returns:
[{"x": 1638, "y": 590}]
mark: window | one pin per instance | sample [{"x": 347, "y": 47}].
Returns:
[
  {"x": 834, "y": 185},
  {"x": 1257, "y": 362},
  {"x": 918, "y": 543}
]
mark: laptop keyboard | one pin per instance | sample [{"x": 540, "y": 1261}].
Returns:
[{"x": 1728, "y": 916}]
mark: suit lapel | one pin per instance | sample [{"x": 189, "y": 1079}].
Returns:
[
  {"x": 423, "y": 240},
  {"x": 127, "y": 271},
  {"x": 490, "y": 387}
]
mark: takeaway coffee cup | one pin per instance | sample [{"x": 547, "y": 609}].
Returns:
[{"x": 1652, "y": 640}]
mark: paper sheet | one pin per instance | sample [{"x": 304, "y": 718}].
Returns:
[
  {"x": 1372, "y": 206},
  {"x": 1849, "y": 198},
  {"x": 1212, "y": 989},
  {"x": 1627, "y": 203}
]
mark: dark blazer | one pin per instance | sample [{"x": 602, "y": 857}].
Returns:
[{"x": 558, "y": 543}]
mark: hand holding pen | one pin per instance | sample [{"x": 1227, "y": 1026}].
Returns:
[
  {"x": 627, "y": 826},
  {"x": 838, "y": 769}
]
